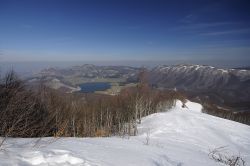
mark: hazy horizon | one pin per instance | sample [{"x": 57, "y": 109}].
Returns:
[{"x": 31, "y": 67}]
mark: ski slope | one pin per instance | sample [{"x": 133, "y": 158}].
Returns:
[{"x": 178, "y": 137}]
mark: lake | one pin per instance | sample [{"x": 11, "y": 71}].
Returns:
[{"x": 91, "y": 87}]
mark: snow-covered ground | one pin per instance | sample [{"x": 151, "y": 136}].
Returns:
[{"x": 181, "y": 136}]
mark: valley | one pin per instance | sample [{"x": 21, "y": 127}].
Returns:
[{"x": 227, "y": 88}]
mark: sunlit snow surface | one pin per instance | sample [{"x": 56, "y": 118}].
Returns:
[{"x": 181, "y": 136}]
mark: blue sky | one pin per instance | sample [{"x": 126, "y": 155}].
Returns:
[{"x": 79, "y": 30}]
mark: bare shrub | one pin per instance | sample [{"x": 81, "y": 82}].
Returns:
[{"x": 221, "y": 157}]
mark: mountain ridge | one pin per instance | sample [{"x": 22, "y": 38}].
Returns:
[
  {"x": 230, "y": 83},
  {"x": 225, "y": 87}
]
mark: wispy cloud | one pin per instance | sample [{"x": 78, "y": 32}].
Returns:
[
  {"x": 200, "y": 26},
  {"x": 213, "y": 28},
  {"x": 228, "y": 32}
]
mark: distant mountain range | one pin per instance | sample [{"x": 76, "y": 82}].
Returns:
[
  {"x": 91, "y": 71},
  {"x": 243, "y": 68},
  {"x": 226, "y": 87},
  {"x": 68, "y": 79},
  {"x": 223, "y": 86}
]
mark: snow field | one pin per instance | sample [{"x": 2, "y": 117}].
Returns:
[{"x": 178, "y": 137}]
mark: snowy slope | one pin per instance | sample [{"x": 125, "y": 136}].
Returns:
[{"x": 181, "y": 136}]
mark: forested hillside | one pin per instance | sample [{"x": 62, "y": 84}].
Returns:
[{"x": 40, "y": 111}]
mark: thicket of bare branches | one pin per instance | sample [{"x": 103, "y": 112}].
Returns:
[
  {"x": 231, "y": 160},
  {"x": 22, "y": 112},
  {"x": 45, "y": 112}
]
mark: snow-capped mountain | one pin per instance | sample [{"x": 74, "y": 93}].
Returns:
[
  {"x": 200, "y": 77},
  {"x": 225, "y": 85}
]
